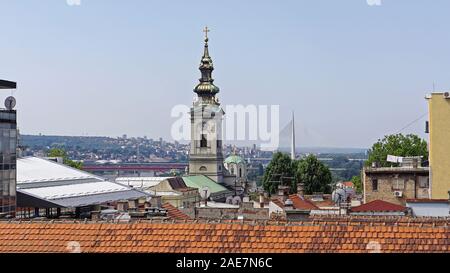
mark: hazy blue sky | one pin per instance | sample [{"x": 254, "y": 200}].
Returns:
[{"x": 352, "y": 72}]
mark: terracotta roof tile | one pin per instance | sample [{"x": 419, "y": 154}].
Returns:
[
  {"x": 204, "y": 238},
  {"x": 301, "y": 203}
]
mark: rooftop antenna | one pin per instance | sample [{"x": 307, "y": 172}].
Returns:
[{"x": 205, "y": 193}]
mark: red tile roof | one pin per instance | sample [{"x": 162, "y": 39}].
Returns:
[
  {"x": 302, "y": 204},
  {"x": 348, "y": 184},
  {"x": 204, "y": 237},
  {"x": 174, "y": 213},
  {"x": 379, "y": 206}
]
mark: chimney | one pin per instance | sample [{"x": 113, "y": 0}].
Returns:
[
  {"x": 301, "y": 189},
  {"x": 122, "y": 205},
  {"x": 132, "y": 204},
  {"x": 261, "y": 200},
  {"x": 283, "y": 192},
  {"x": 288, "y": 204}
]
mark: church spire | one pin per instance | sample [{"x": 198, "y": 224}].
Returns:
[{"x": 206, "y": 86}]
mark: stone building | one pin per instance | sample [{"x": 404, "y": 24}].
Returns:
[{"x": 395, "y": 184}]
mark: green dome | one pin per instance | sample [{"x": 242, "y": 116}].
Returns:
[{"x": 234, "y": 159}]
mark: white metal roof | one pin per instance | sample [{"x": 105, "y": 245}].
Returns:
[
  {"x": 35, "y": 169},
  {"x": 141, "y": 182},
  {"x": 66, "y": 186},
  {"x": 75, "y": 190}
]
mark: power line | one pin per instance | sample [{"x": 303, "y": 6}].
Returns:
[{"x": 411, "y": 123}]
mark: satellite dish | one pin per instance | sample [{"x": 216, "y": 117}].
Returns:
[
  {"x": 10, "y": 102},
  {"x": 205, "y": 193},
  {"x": 236, "y": 200},
  {"x": 338, "y": 196}
]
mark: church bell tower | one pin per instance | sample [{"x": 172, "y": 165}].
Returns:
[{"x": 205, "y": 155}]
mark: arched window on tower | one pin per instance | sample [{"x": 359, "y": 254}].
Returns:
[
  {"x": 203, "y": 169},
  {"x": 240, "y": 172},
  {"x": 203, "y": 141}
]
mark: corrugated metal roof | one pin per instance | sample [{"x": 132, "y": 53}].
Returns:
[
  {"x": 87, "y": 200},
  {"x": 35, "y": 169},
  {"x": 62, "y": 185},
  {"x": 75, "y": 190}
]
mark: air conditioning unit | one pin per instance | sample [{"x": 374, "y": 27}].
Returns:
[
  {"x": 447, "y": 95},
  {"x": 398, "y": 193}
]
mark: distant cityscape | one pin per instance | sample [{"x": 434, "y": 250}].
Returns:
[{"x": 343, "y": 162}]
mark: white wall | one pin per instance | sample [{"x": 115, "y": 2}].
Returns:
[{"x": 429, "y": 209}]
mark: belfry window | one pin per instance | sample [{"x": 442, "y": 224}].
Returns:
[{"x": 203, "y": 141}]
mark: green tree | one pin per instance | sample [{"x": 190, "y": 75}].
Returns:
[
  {"x": 358, "y": 183},
  {"x": 280, "y": 166},
  {"x": 397, "y": 145},
  {"x": 315, "y": 175},
  {"x": 57, "y": 152}
]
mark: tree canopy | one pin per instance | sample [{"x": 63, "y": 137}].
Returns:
[
  {"x": 280, "y": 167},
  {"x": 315, "y": 175},
  {"x": 397, "y": 145},
  {"x": 358, "y": 183},
  {"x": 57, "y": 152}
]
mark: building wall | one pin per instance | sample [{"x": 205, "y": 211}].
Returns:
[
  {"x": 183, "y": 199},
  {"x": 388, "y": 183},
  {"x": 8, "y": 146},
  {"x": 439, "y": 118},
  {"x": 430, "y": 209}
]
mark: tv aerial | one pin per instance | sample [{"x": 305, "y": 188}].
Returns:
[
  {"x": 205, "y": 193},
  {"x": 236, "y": 200},
  {"x": 338, "y": 196},
  {"x": 10, "y": 103}
]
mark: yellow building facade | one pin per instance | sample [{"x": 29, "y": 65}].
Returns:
[{"x": 439, "y": 128}]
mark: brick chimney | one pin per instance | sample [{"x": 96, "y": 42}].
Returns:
[
  {"x": 261, "y": 200},
  {"x": 301, "y": 189},
  {"x": 283, "y": 193}
]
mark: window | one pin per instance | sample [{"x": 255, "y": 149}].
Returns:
[
  {"x": 203, "y": 142},
  {"x": 203, "y": 169},
  {"x": 424, "y": 182},
  {"x": 240, "y": 172},
  {"x": 374, "y": 184},
  {"x": 398, "y": 184}
]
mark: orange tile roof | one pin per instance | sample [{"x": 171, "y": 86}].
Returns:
[
  {"x": 182, "y": 237},
  {"x": 174, "y": 213},
  {"x": 348, "y": 184},
  {"x": 302, "y": 204}
]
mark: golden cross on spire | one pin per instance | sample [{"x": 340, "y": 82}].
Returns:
[{"x": 206, "y": 30}]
